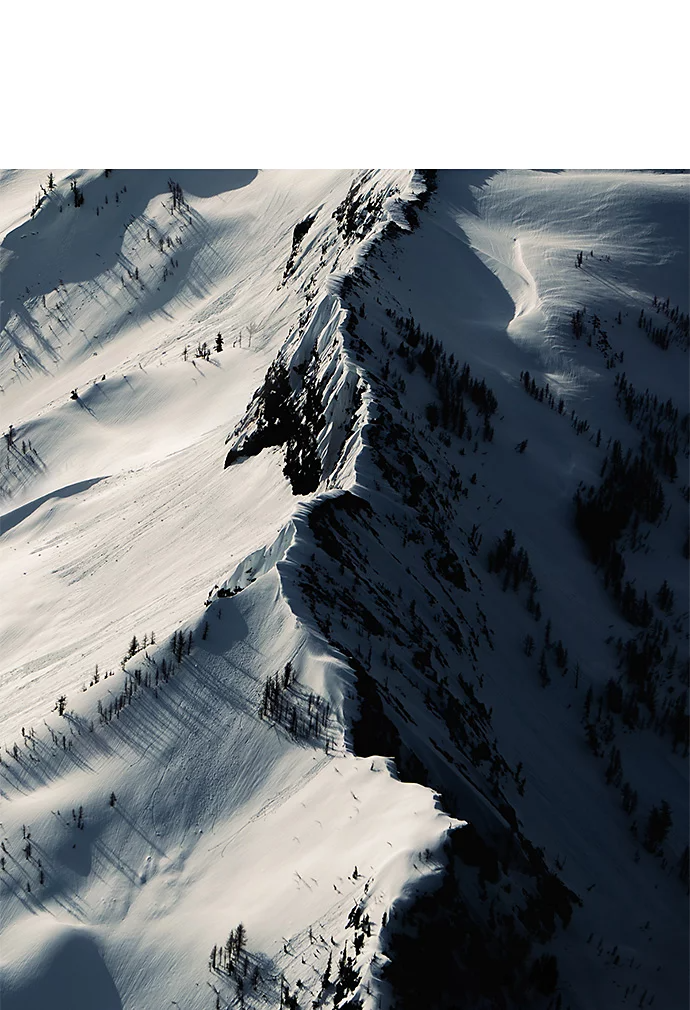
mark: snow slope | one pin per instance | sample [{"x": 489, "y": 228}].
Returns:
[{"x": 357, "y": 618}]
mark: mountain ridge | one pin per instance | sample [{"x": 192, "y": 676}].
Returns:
[{"x": 393, "y": 422}]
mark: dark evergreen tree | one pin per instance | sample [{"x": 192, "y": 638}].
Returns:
[{"x": 658, "y": 825}]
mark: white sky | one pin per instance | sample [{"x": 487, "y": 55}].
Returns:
[{"x": 309, "y": 84}]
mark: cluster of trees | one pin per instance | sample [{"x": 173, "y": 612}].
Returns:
[
  {"x": 302, "y": 460},
  {"x": 20, "y": 459},
  {"x": 660, "y": 422},
  {"x": 600, "y": 729},
  {"x": 180, "y": 644},
  {"x": 177, "y": 194},
  {"x": 676, "y": 330},
  {"x": 577, "y": 324},
  {"x": 233, "y": 960},
  {"x": 357, "y": 214},
  {"x": 301, "y": 229},
  {"x": 659, "y": 822},
  {"x": 291, "y": 418},
  {"x": 346, "y": 980},
  {"x": 665, "y": 598},
  {"x": 647, "y": 669},
  {"x": 629, "y": 487},
  {"x": 631, "y": 492},
  {"x": 303, "y": 717},
  {"x": 204, "y": 351},
  {"x": 516, "y": 568},
  {"x": 360, "y": 921},
  {"x": 76, "y": 193},
  {"x": 543, "y": 394},
  {"x": 134, "y": 647},
  {"x": 635, "y": 608},
  {"x": 229, "y": 956},
  {"x": 348, "y": 977},
  {"x": 38, "y": 202},
  {"x": 515, "y": 564},
  {"x": 557, "y": 649},
  {"x": 124, "y": 698},
  {"x": 452, "y": 383},
  {"x": 29, "y": 857}
]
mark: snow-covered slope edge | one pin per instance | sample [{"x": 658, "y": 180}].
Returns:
[{"x": 317, "y": 404}]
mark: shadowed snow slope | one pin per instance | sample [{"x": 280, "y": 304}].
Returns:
[{"x": 582, "y": 698}]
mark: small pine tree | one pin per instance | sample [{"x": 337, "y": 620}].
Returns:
[
  {"x": 589, "y": 698},
  {"x": 326, "y": 977},
  {"x": 658, "y": 825}
]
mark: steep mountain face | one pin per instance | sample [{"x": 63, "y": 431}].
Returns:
[
  {"x": 404, "y": 684},
  {"x": 511, "y": 607}
]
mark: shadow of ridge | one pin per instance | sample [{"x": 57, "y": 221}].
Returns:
[
  {"x": 11, "y": 519},
  {"x": 205, "y": 182},
  {"x": 72, "y": 968}
]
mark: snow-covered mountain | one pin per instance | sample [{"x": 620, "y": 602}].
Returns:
[{"x": 344, "y": 557}]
